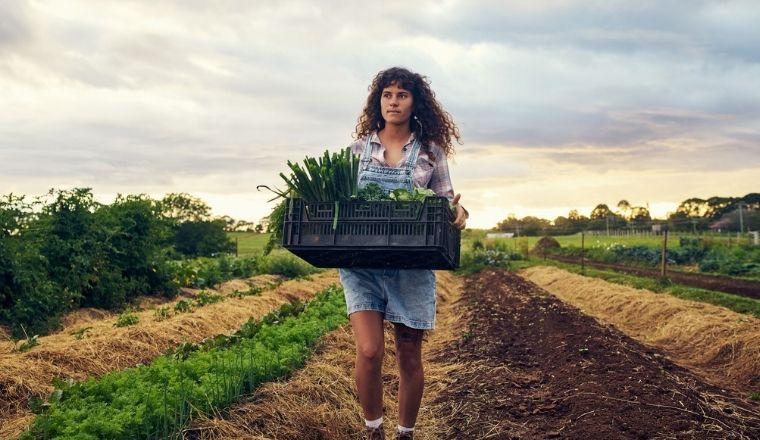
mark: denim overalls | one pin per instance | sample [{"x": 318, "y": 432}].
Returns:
[{"x": 405, "y": 296}]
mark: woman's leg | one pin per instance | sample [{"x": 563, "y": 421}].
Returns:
[
  {"x": 370, "y": 346},
  {"x": 411, "y": 376}
]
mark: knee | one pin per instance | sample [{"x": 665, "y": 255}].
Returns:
[
  {"x": 408, "y": 357},
  {"x": 370, "y": 353}
]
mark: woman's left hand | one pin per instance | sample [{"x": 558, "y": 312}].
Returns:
[{"x": 461, "y": 216}]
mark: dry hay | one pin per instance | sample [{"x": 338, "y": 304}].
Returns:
[
  {"x": 721, "y": 345},
  {"x": 320, "y": 401},
  {"x": 107, "y": 348}
]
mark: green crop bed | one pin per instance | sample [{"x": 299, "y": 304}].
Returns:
[{"x": 157, "y": 400}]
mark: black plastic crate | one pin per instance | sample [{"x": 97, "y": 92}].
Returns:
[{"x": 382, "y": 234}]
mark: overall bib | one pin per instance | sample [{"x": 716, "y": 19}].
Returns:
[{"x": 405, "y": 296}]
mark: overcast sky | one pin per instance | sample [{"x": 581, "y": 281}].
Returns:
[{"x": 561, "y": 104}]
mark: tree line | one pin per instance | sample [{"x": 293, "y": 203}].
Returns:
[
  {"x": 65, "y": 250},
  {"x": 725, "y": 214}
]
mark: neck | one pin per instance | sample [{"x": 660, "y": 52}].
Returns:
[{"x": 399, "y": 133}]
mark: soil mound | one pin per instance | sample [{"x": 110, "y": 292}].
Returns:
[
  {"x": 546, "y": 244},
  {"x": 721, "y": 345},
  {"x": 539, "y": 368}
]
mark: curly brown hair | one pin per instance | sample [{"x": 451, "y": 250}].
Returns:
[{"x": 433, "y": 124}]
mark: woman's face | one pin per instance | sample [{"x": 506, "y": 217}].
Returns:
[{"x": 396, "y": 105}]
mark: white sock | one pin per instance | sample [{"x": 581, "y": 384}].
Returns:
[
  {"x": 405, "y": 429},
  {"x": 374, "y": 423}
]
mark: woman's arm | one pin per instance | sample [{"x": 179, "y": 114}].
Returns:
[{"x": 440, "y": 183}]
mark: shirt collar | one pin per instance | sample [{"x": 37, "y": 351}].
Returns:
[{"x": 375, "y": 139}]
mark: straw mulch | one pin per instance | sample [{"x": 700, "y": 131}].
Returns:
[
  {"x": 320, "y": 401},
  {"x": 107, "y": 348},
  {"x": 721, "y": 345}
]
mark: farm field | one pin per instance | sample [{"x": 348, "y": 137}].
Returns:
[
  {"x": 249, "y": 243},
  {"x": 105, "y": 348},
  {"x": 567, "y": 357},
  {"x": 509, "y": 361}
]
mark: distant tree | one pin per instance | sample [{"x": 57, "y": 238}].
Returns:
[
  {"x": 202, "y": 238},
  {"x": 229, "y": 223},
  {"x": 562, "y": 225},
  {"x": 601, "y": 211},
  {"x": 751, "y": 200},
  {"x": 717, "y": 206},
  {"x": 259, "y": 228},
  {"x": 182, "y": 207},
  {"x": 693, "y": 207},
  {"x": 625, "y": 208},
  {"x": 509, "y": 224},
  {"x": 534, "y": 226},
  {"x": 640, "y": 216}
]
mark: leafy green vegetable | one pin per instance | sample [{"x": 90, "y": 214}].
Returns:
[
  {"x": 327, "y": 179},
  {"x": 418, "y": 194},
  {"x": 372, "y": 192}
]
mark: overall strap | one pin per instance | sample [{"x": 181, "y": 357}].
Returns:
[{"x": 412, "y": 160}]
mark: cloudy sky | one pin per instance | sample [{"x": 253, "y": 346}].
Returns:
[{"x": 562, "y": 104}]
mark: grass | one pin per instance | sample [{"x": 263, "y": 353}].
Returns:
[
  {"x": 736, "y": 303},
  {"x": 249, "y": 243}
]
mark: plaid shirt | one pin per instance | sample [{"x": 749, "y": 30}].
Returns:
[{"x": 427, "y": 173}]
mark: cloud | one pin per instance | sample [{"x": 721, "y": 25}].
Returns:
[{"x": 215, "y": 97}]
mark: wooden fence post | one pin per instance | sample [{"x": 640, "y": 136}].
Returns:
[
  {"x": 664, "y": 262},
  {"x": 583, "y": 252}
]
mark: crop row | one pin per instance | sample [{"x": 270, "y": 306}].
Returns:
[
  {"x": 706, "y": 257},
  {"x": 157, "y": 400}
]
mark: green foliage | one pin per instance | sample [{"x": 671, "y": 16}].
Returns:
[
  {"x": 183, "y": 306},
  {"x": 182, "y": 207},
  {"x": 276, "y": 222},
  {"x": 755, "y": 396},
  {"x": 81, "y": 333},
  {"x": 126, "y": 319},
  {"x": 372, "y": 192},
  {"x": 327, "y": 179},
  {"x": 66, "y": 250},
  {"x": 202, "y": 238},
  {"x": 490, "y": 254},
  {"x": 161, "y": 313},
  {"x": 203, "y": 298},
  {"x": 205, "y": 272},
  {"x": 707, "y": 255},
  {"x": 285, "y": 263},
  {"x": 28, "y": 344},
  {"x": 157, "y": 400}
]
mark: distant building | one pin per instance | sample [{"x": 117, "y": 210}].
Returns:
[{"x": 500, "y": 235}]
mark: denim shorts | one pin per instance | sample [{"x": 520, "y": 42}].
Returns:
[{"x": 404, "y": 296}]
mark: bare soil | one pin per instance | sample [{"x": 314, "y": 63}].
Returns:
[{"x": 546, "y": 370}]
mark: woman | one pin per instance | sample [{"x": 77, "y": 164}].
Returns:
[{"x": 404, "y": 138}]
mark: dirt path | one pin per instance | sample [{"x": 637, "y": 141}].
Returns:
[
  {"x": 108, "y": 348},
  {"x": 720, "y": 345},
  {"x": 538, "y": 368}
]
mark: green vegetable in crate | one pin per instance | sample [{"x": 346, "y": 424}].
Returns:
[
  {"x": 331, "y": 178},
  {"x": 419, "y": 194},
  {"x": 372, "y": 192}
]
